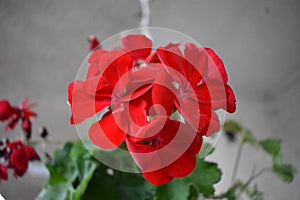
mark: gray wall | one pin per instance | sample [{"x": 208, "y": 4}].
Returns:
[{"x": 42, "y": 44}]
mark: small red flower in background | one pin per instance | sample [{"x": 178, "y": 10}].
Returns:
[
  {"x": 141, "y": 89},
  {"x": 16, "y": 155},
  {"x": 19, "y": 156},
  {"x": 12, "y": 115}
]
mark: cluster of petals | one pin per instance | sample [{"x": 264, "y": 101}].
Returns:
[
  {"x": 11, "y": 115},
  {"x": 141, "y": 91},
  {"x": 16, "y": 155}
]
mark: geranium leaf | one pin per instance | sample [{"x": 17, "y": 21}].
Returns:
[
  {"x": 53, "y": 192},
  {"x": 230, "y": 195},
  {"x": 177, "y": 189},
  {"x": 70, "y": 173},
  {"x": 254, "y": 194},
  {"x": 204, "y": 176},
  {"x": 119, "y": 185},
  {"x": 271, "y": 146},
  {"x": 86, "y": 171},
  {"x": 285, "y": 172}
]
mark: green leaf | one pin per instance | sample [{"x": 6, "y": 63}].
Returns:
[
  {"x": 204, "y": 176},
  {"x": 230, "y": 195},
  {"x": 271, "y": 146},
  {"x": 285, "y": 172},
  {"x": 232, "y": 126},
  {"x": 193, "y": 193},
  {"x": 248, "y": 137},
  {"x": 86, "y": 171},
  {"x": 54, "y": 192},
  {"x": 177, "y": 189},
  {"x": 120, "y": 185},
  {"x": 254, "y": 194},
  {"x": 70, "y": 173}
]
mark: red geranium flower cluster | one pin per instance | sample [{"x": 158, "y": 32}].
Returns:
[
  {"x": 159, "y": 102},
  {"x": 16, "y": 155}
]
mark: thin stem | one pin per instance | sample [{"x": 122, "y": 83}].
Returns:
[
  {"x": 257, "y": 175},
  {"x": 145, "y": 17},
  {"x": 237, "y": 162},
  {"x": 145, "y": 13},
  {"x": 223, "y": 195},
  {"x": 240, "y": 184}
]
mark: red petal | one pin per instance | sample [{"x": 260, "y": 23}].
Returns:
[
  {"x": 31, "y": 153},
  {"x": 231, "y": 101},
  {"x": 139, "y": 82},
  {"x": 85, "y": 103},
  {"x": 209, "y": 121},
  {"x": 26, "y": 126},
  {"x": 172, "y": 58},
  {"x": 189, "y": 109},
  {"x": 12, "y": 124},
  {"x": 182, "y": 166},
  {"x": 18, "y": 161},
  {"x": 164, "y": 92},
  {"x": 164, "y": 146},
  {"x": 138, "y": 46},
  {"x": 7, "y": 111},
  {"x": 94, "y": 43},
  {"x": 3, "y": 173},
  {"x": 138, "y": 114},
  {"x": 94, "y": 60},
  {"x": 196, "y": 64},
  {"x": 216, "y": 95},
  {"x": 106, "y": 134},
  {"x": 114, "y": 65},
  {"x": 157, "y": 177},
  {"x": 216, "y": 69}
]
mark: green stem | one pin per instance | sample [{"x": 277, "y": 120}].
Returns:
[
  {"x": 240, "y": 184},
  {"x": 237, "y": 162},
  {"x": 223, "y": 195},
  {"x": 257, "y": 175}
]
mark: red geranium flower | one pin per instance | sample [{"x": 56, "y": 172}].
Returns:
[
  {"x": 19, "y": 156},
  {"x": 139, "y": 91},
  {"x": 128, "y": 113},
  {"x": 12, "y": 115},
  {"x": 95, "y": 93},
  {"x": 202, "y": 86},
  {"x": 169, "y": 153}
]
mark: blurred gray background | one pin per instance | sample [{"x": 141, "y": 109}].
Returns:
[{"x": 42, "y": 44}]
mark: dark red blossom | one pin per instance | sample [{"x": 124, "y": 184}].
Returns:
[
  {"x": 12, "y": 115},
  {"x": 20, "y": 155}
]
